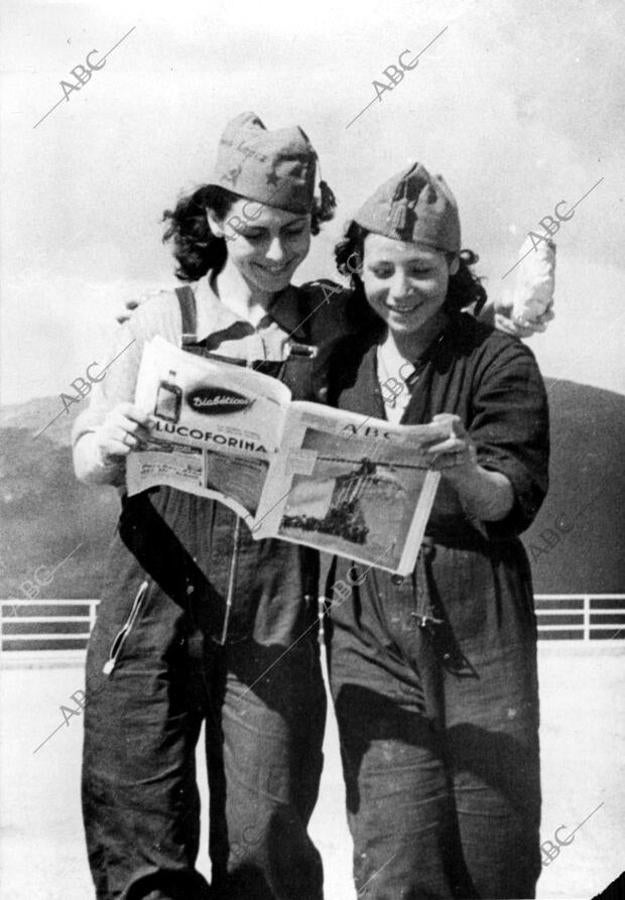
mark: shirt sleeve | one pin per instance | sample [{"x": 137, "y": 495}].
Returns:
[
  {"x": 117, "y": 386},
  {"x": 510, "y": 427},
  {"x": 159, "y": 316}
]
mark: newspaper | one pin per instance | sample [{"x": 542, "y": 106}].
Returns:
[{"x": 338, "y": 481}]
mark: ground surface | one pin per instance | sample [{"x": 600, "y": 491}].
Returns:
[{"x": 583, "y": 745}]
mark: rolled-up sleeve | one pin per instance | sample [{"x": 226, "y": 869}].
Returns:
[
  {"x": 117, "y": 385},
  {"x": 510, "y": 427},
  {"x": 161, "y": 315}
]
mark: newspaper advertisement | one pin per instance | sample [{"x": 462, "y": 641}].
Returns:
[
  {"x": 216, "y": 427},
  {"x": 335, "y": 480}
]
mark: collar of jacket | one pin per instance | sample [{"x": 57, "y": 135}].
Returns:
[{"x": 287, "y": 309}]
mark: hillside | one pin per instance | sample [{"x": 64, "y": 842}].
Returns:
[
  {"x": 576, "y": 544},
  {"x": 45, "y": 512},
  {"x": 586, "y": 496}
]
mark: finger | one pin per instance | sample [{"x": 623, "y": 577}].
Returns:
[
  {"x": 129, "y": 416},
  {"x": 450, "y": 445},
  {"x": 113, "y": 449},
  {"x": 444, "y": 461},
  {"x": 119, "y": 448},
  {"x": 130, "y": 427},
  {"x": 137, "y": 415},
  {"x": 122, "y": 437},
  {"x": 445, "y": 417},
  {"x": 447, "y": 424}
]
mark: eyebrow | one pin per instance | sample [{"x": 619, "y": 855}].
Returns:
[
  {"x": 414, "y": 259},
  {"x": 251, "y": 226}
]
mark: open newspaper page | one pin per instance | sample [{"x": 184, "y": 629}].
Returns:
[
  {"x": 352, "y": 485},
  {"x": 216, "y": 427}
]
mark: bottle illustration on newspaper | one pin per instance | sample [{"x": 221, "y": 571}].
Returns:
[
  {"x": 338, "y": 481},
  {"x": 168, "y": 399}
]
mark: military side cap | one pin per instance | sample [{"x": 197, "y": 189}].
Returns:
[
  {"x": 276, "y": 168},
  {"x": 414, "y": 207}
]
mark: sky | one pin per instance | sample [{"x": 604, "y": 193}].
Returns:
[{"x": 519, "y": 106}]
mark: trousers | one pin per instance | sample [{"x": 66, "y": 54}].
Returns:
[
  {"x": 155, "y": 673},
  {"x": 264, "y": 724},
  {"x": 440, "y": 753}
]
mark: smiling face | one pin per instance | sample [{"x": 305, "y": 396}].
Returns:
[
  {"x": 406, "y": 284},
  {"x": 265, "y": 244}
]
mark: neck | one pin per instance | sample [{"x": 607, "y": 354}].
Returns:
[
  {"x": 239, "y": 295},
  {"x": 412, "y": 346}
]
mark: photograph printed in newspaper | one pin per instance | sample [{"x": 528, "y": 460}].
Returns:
[{"x": 338, "y": 481}]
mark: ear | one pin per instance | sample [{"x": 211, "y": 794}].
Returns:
[
  {"x": 454, "y": 265},
  {"x": 216, "y": 227}
]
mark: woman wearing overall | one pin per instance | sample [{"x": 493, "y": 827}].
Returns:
[
  {"x": 196, "y": 616},
  {"x": 433, "y": 675}
]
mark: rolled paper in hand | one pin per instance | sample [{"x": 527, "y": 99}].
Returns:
[{"x": 532, "y": 299}]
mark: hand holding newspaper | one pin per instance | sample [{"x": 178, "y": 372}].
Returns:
[{"x": 338, "y": 481}]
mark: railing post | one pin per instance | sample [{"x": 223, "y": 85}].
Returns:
[{"x": 92, "y": 613}]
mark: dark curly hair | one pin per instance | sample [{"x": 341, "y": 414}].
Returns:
[
  {"x": 465, "y": 288},
  {"x": 195, "y": 247}
]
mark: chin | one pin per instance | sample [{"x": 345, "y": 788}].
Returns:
[
  {"x": 405, "y": 327},
  {"x": 274, "y": 282}
]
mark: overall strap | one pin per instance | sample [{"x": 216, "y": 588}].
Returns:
[{"x": 188, "y": 312}]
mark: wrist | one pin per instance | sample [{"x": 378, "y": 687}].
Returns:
[{"x": 484, "y": 494}]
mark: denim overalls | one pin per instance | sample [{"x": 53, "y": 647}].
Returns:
[{"x": 201, "y": 624}]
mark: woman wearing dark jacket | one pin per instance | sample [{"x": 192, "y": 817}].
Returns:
[{"x": 434, "y": 675}]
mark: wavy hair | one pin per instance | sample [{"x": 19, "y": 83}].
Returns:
[
  {"x": 465, "y": 287},
  {"x": 196, "y": 249}
]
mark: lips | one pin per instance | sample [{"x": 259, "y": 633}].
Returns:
[
  {"x": 275, "y": 270},
  {"x": 402, "y": 308}
]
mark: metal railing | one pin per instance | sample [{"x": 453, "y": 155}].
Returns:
[
  {"x": 581, "y": 617},
  {"x": 61, "y": 627},
  {"x": 46, "y": 627}
]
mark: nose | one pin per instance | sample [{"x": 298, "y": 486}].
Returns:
[
  {"x": 399, "y": 285},
  {"x": 275, "y": 251}
]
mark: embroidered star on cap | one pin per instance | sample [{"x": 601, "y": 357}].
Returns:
[{"x": 276, "y": 168}]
